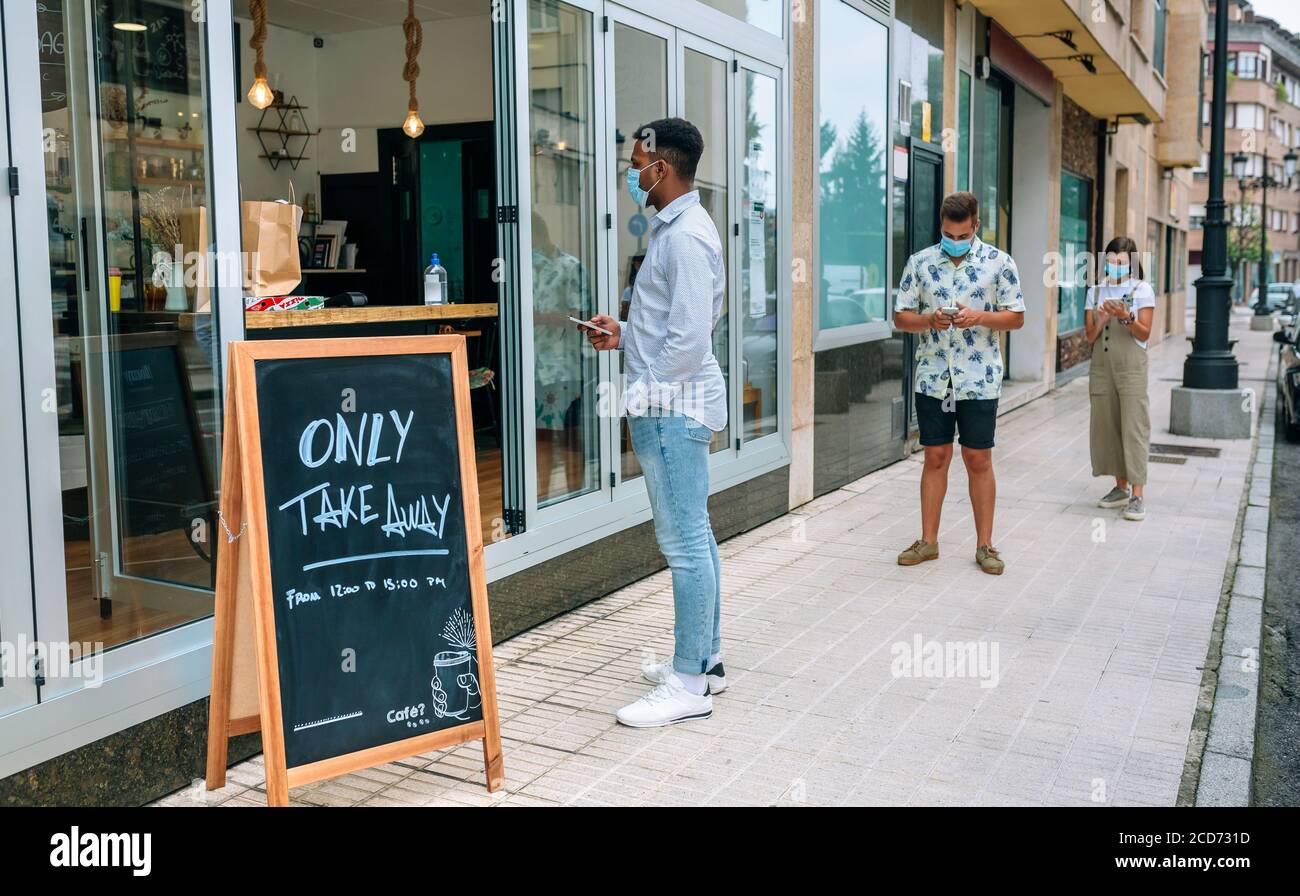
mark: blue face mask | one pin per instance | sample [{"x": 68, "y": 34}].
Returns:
[
  {"x": 954, "y": 248},
  {"x": 1116, "y": 271},
  {"x": 639, "y": 196}
]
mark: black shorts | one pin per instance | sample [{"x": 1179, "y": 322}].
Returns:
[{"x": 975, "y": 418}]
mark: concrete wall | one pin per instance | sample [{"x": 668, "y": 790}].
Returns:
[
  {"x": 291, "y": 66},
  {"x": 355, "y": 81},
  {"x": 361, "y": 87},
  {"x": 802, "y": 194}
]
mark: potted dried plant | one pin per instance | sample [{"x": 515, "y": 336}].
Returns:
[
  {"x": 112, "y": 102},
  {"x": 160, "y": 217}
]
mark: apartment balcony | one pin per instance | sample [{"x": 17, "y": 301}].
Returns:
[
  {"x": 1250, "y": 90},
  {"x": 1124, "y": 83}
]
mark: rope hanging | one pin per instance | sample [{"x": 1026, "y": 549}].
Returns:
[
  {"x": 414, "y": 38},
  {"x": 257, "y": 10}
]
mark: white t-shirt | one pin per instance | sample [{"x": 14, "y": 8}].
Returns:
[{"x": 1138, "y": 294}]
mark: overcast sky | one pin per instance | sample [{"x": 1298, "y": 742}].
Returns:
[{"x": 1285, "y": 12}]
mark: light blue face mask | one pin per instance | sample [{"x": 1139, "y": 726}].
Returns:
[
  {"x": 1116, "y": 271},
  {"x": 954, "y": 248},
  {"x": 639, "y": 196}
]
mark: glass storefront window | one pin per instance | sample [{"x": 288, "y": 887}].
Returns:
[
  {"x": 963, "y": 131},
  {"x": 563, "y": 184},
  {"x": 640, "y": 96},
  {"x": 134, "y": 335},
  {"x": 1076, "y": 205},
  {"x": 706, "y": 107},
  {"x": 766, "y": 14},
  {"x": 853, "y": 212},
  {"x": 758, "y": 258},
  {"x": 918, "y": 63},
  {"x": 992, "y": 156}
]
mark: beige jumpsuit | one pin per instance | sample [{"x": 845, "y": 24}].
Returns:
[{"x": 1120, "y": 430}]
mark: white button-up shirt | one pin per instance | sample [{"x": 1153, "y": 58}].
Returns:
[
  {"x": 967, "y": 358},
  {"x": 667, "y": 339}
]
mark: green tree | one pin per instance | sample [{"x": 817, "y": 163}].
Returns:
[
  {"x": 1243, "y": 239},
  {"x": 853, "y": 209}
]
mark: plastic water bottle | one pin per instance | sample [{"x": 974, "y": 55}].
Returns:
[{"x": 435, "y": 282}]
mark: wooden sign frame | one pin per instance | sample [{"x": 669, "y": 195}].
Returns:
[{"x": 245, "y": 668}]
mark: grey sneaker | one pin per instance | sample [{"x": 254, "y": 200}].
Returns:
[
  {"x": 1135, "y": 510},
  {"x": 920, "y": 551},
  {"x": 989, "y": 560},
  {"x": 1116, "y": 497}
]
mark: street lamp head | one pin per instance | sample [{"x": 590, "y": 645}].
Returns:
[
  {"x": 1289, "y": 161},
  {"x": 1239, "y": 161}
]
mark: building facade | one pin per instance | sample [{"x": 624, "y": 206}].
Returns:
[
  {"x": 833, "y": 129},
  {"x": 1263, "y": 123}
]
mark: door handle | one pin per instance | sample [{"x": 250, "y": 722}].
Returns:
[{"x": 85, "y": 259}]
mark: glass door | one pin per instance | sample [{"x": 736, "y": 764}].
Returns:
[
  {"x": 706, "y": 89},
  {"x": 17, "y": 623},
  {"x": 993, "y": 156},
  {"x": 638, "y": 54},
  {"x": 565, "y": 206},
  {"x": 132, "y": 280},
  {"x": 756, "y": 407},
  {"x": 514, "y": 488},
  {"x": 596, "y": 72},
  {"x": 921, "y": 229}
]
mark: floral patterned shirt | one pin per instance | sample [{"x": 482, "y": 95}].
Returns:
[{"x": 966, "y": 359}]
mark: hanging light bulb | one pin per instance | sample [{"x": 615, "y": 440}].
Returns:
[
  {"x": 260, "y": 94},
  {"x": 413, "y": 126}
]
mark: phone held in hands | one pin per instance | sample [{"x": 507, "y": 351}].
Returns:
[{"x": 591, "y": 326}]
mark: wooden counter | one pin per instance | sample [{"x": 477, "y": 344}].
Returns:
[{"x": 368, "y": 314}]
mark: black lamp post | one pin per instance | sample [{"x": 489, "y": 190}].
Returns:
[
  {"x": 1262, "y": 183},
  {"x": 1211, "y": 364}
]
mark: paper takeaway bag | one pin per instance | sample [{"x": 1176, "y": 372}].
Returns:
[
  {"x": 194, "y": 237},
  {"x": 270, "y": 244}
]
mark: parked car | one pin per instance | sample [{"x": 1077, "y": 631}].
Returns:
[
  {"x": 1280, "y": 295},
  {"x": 1288, "y": 382}
]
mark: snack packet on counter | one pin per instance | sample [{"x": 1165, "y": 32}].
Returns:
[{"x": 283, "y": 303}]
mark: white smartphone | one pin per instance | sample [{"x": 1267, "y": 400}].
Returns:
[{"x": 591, "y": 326}]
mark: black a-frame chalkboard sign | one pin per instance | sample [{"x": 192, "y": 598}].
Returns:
[{"x": 351, "y": 623}]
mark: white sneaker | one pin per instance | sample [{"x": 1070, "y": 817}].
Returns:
[
  {"x": 667, "y": 704},
  {"x": 657, "y": 673}
]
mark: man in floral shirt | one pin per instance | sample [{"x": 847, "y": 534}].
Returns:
[{"x": 956, "y": 296}]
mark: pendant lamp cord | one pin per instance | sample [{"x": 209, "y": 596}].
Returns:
[
  {"x": 414, "y": 38},
  {"x": 257, "y": 10}
]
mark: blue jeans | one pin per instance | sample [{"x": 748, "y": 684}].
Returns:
[{"x": 674, "y": 454}]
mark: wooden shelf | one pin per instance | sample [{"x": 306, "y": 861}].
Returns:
[
  {"x": 154, "y": 143},
  {"x": 286, "y": 133}
]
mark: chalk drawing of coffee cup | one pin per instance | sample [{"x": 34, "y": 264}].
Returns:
[{"x": 455, "y": 686}]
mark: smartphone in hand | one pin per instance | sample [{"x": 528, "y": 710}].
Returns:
[{"x": 591, "y": 326}]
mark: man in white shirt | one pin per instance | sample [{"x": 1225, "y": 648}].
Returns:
[{"x": 675, "y": 399}]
